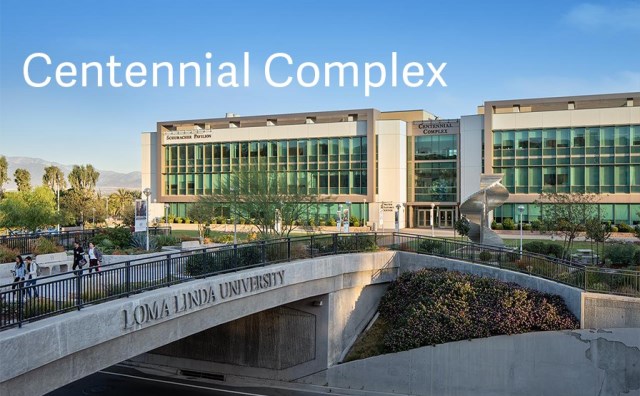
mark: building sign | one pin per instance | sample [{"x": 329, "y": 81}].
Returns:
[
  {"x": 187, "y": 136},
  {"x": 386, "y": 206},
  {"x": 203, "y": 297},
  {"x": 435, "y": 127}
]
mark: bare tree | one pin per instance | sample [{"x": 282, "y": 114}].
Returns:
[
  {"x": 257, "y": 198},
  {"x": 567, "y": 214}
]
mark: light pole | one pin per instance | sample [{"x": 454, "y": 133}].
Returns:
[
  {"x": 364, "y": 209},
  {"x": 58, "y": 212},
  {"x": 398, "y": 206},
  {"x": 93, "y": 219},
  {"x": 521, "y": 210},
  {"x": 106, "y": 200},
  {"x": 235, "y": 237},
  {"x": 166, "y": 214},
  {"x": 433, "y": 230},
  {"x": 348, "y": 220},
  {"x": 339, "y": 222},
  {"x": 147, "y": 193}
]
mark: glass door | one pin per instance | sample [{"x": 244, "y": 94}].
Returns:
[
  {"x": 446, "y": 218},
  {"x": 423, "y": 218}
]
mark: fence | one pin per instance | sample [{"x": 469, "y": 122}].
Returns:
[
  {"x": 26, "y": 243},
  {"x": 72, "y": 291}
]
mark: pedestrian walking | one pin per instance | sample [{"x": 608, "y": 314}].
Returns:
[
  {"x": 18, "y": 273},
  {"x": 95, "y": 258},
  {"x": 78, "y": 258},
  {"x": 32, "y": 274}
]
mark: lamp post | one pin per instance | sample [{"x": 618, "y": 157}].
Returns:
[
  {"x": 433, "y": 230},
  {"x": 235, "y": 237},
  {"x": 347, "y": 219},
  {"x": 58, "y": 211},
  {"x": 398, "y": 206},
  {"x": 166, "y": 214},
  {"x": 106, "y": 200},
  {"x": 82, "y": 219},
  {"x": 93, "y": 219},
  {"x": 521, "y": 210},
  {"x": 339, "y": 222},
  {"x": 364, "y": 210},
  {"x": 147, "y": 193}
]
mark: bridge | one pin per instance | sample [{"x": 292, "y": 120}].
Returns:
[{"x": 330, "y": 282}]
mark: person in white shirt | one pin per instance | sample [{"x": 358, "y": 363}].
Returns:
[
  {"x": 95, "y": 258},
  {"x": 32, "y": 274}
]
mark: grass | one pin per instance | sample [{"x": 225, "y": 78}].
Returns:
[{"x": 369, "y": 343}]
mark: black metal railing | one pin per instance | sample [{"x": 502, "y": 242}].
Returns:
[{"x": 72, "y": 291}]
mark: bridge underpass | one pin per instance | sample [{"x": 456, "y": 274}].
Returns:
[{"x": 53, "y": 352}]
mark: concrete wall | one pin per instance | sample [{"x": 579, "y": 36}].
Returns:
[
  {"x": 470, "y": 157},
  {"x": 605, "y": 310},
  {"x": 392, "y": 170},
  {"x": 580, "y": 363}
]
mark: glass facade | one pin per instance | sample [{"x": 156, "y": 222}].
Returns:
[
  {"x": 615, "y": 213},
  {"x": 311, "y": 166},
  {"x": 598, "y": 159},
  {"x": 323, "y": 166},
  {"x": 433, "y": 173}
]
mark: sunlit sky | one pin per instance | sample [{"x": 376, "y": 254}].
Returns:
[{"x": 493, "y": 50}]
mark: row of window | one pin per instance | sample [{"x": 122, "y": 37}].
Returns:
[
  {"x": 322, "y": 182},
  {"x": 591, "y": 179},
  {"x": 318, "y": 212},
  {"x": 429, "y": 148},
  {"x": 577, "y": 160},
  {"x": 215, "y": 156},
  {"x": 434, "y": 182},
  {"x": 532, "y": 139},
  {"x": 615, "y": 213}
]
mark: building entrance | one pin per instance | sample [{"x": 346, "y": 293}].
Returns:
[
  {"x": 445, "y": 218},
  {"x": 424, "y": 218}
]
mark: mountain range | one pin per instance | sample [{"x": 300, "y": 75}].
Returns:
[{"x": 108, "y": 182}]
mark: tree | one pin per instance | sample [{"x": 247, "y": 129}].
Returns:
[
  {"x": 4, "y": 170},
  {"x": 22, "y": 179},
  {"x": 28, "y": 209},
  {"x": 567, "y": 214},
  {"x": 462, "y": 226},
  {"x": 83, "y": 177},
  {"x": 122, "y": 199},
  {"x": 598, "y": 232},
  {"x": 203, "y": 213},
  {"x": 256, "y": 196},
  {"x": 54, "y": 178}
]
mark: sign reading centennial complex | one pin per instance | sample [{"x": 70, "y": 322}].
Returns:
[
  {"x": 436, "y": 127},
  {"x": 202, "y": 297}
]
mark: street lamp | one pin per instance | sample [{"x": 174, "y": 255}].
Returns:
[
  {"x": 521, "y": 210},
  {"x": 235, "y": 237},
  {"x": 364, "y": 210},
  {"x": 433, "y": 230},
  {"x": 58, "y": 212},
  {"x": 348, "y": 203},
  {"x": 147, "y": 193},
  {"x": 166, "y": 214},
  {"x": 339, "y": 222},
  {"x": 106, "y": 200},
  {"x": 93, "y": 219},
  {"x": 398, "y": 206}
]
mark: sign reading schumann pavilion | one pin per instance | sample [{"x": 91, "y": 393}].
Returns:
[{"x": 202, "y": 297}]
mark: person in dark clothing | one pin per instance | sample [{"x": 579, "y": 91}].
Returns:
[{"x": 78, "y": 254}]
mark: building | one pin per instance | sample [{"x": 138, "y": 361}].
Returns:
[{"x": 410, "y": 162}]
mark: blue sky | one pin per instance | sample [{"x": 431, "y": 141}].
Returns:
[{"x": 494, "y": 50}]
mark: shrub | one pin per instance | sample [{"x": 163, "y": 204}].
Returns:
[
  {"x": 44, "y": 306},
  {"x": 493, "y": 224},
  {"x": 434, "y": 306},
  {"x": 622, "y": 227},
  {"x": 498, "y": 227},
  {"x": 139, "y": 241},
  {"x": 45, "y": 246},
  {"x": 430, "y": 246},
  {"x": 614, "y": 229},
  {"x": 332, "y": 222},
  {"x": 527, "y": 227},
  {"x": 485, "y": 255},
  {"x": 119, "y": 236},
  {"x": 7, "y": 254},
  {"x": 545, "y": 248},
  {"x": 620, "y": 254},
  {"x": 536, "y": 225},
  {"x": 165, "y": 240},
  {"x": 206, "y": 263},
  {"x": 508, "y": 224}
]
